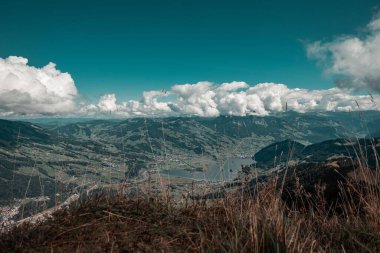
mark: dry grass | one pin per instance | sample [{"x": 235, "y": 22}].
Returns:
[
  {"x": 248, "y": 219},
  {"x": 259, "y": 222}
]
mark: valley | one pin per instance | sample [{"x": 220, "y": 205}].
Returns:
[{"x": 55, "y": 159}]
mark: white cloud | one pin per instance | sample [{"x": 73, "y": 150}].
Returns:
[
  {"x": 196, "y": 99},
  {"x": 29, "y": 90},
  {"x": 151, "y": 104},
  {"x": 271, "y": 95},
  {"x": 232, "y": 86},
  {"x": 355, "y": 59},
  {"x": 148, "y": 106},
  {"x": 26, "y": 89},
  {"x": 209, "y": 100},
  {"x": 107, "y": 103}
]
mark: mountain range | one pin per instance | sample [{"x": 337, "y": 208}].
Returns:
[{"x": 45, "y": 156}]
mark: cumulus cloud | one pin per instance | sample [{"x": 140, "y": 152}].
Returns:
[
  {"x": 232, "y": 86},
  {"x": 26, "y": 89},
  {"x": 196, "y": 99},
  {"x": 29, "y": 90},
  {"x": 147, "y": 106},
  {"x": 356, "y": 59},
  {"x": 107, "y": 103},
  {"x": 236, "y": 98}
]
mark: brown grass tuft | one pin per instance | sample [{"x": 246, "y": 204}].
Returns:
[{"x": 260, "y": 222}]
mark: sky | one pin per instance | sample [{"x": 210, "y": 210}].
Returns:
[{"x": 92, "y": 57}]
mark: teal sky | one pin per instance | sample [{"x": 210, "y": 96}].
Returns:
[{"x": 126, "y": 47}]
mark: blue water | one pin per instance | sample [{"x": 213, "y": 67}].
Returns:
[{"x": 222, "y": 171}]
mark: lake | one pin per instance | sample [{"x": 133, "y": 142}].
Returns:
[{"x": 219, "y": 171}]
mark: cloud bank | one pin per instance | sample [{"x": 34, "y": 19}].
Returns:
[
  {"x": 207, "y": 99},
  {"x": 355, "y": 59},
  {"x": 29, "y": 90}
]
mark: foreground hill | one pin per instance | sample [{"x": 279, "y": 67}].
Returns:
[{"x": 260, "y": 221}]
